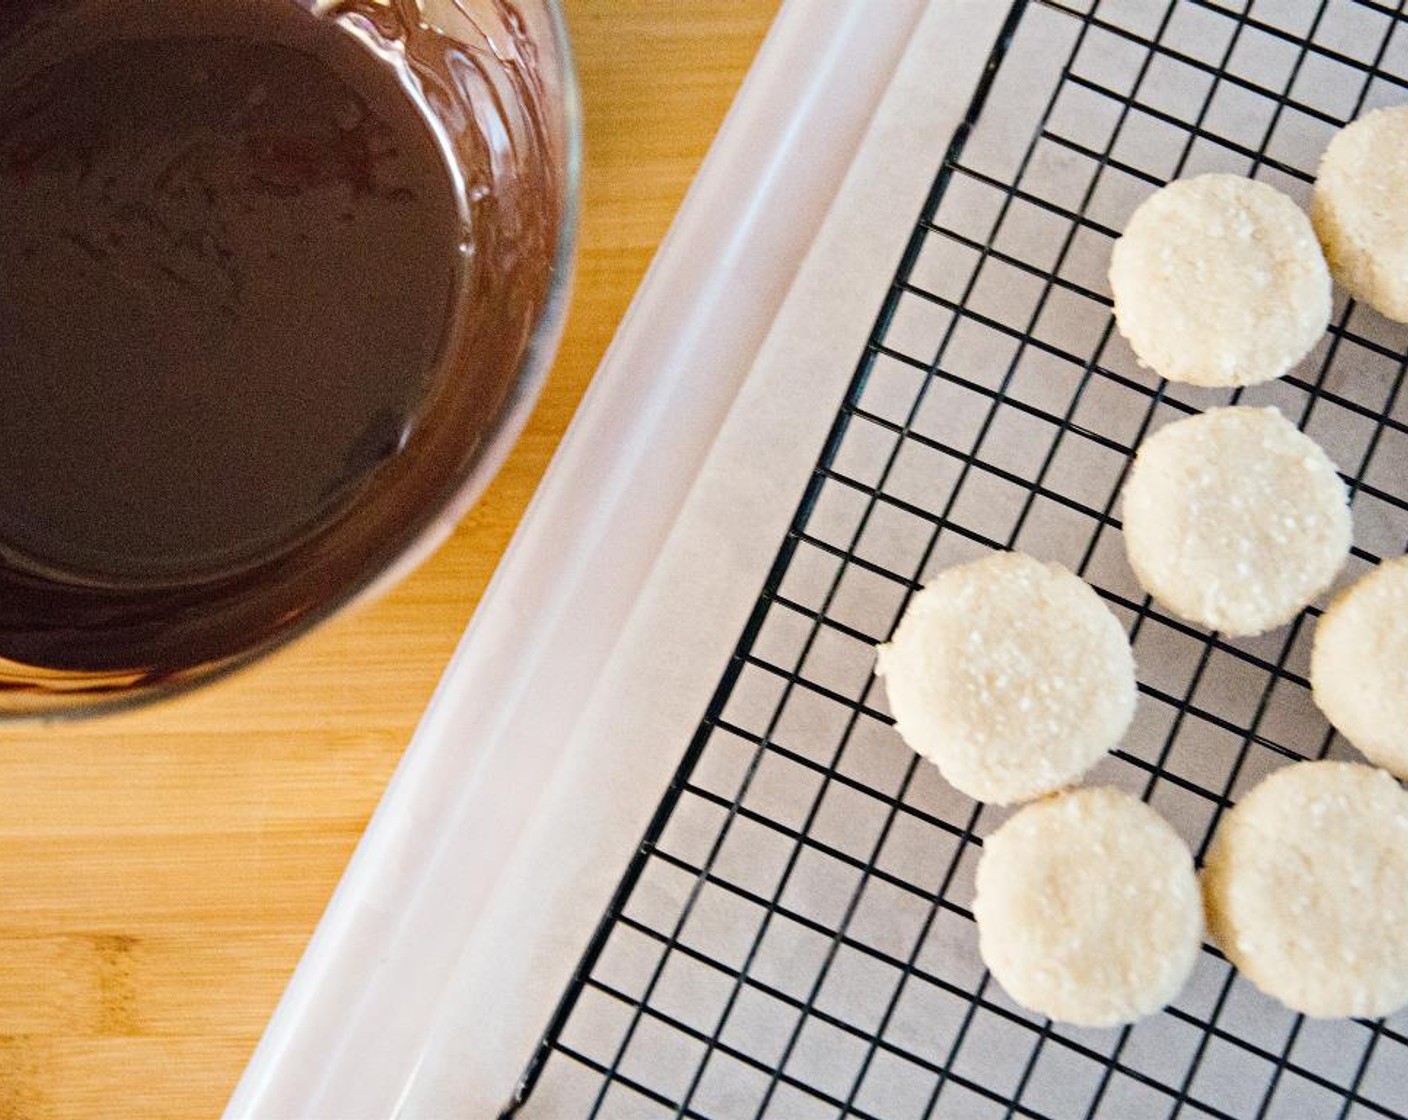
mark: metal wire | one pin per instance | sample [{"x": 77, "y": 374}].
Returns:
[{"x": 794, "y": 937}]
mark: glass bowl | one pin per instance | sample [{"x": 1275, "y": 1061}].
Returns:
[{"x": 495, "y": 82}]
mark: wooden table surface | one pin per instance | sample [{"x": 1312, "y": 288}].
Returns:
[{"x": 160, "y": 872}]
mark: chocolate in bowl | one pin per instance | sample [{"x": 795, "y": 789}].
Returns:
[{"x": 277, "y": 285}]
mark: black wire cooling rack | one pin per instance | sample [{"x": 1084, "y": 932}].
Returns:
[{"x": 794, "y": 938}]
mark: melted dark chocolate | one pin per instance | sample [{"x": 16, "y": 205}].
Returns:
[{"x": 245, "y": 335}]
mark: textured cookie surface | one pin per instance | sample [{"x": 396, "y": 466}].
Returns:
[
  {"x": 1219, "y": 280},
  {"x": 1235, "y": 519},
  {"x": 1306, "y": 886},
  {"x": 1088, "y": 908},
  {"x": 1359, "y": 211},
  {"x": 1010, "y": 675},
  {"x": 1359, "y": 667}
]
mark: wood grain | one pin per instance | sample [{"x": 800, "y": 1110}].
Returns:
[{"x": 160, "y": 872}]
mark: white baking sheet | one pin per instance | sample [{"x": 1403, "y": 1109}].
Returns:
[{"x": 806, "y": 786}]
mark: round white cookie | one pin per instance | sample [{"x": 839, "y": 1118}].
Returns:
[
  {"x": 1088, "y": 908},
  {"x": 1010, "y": 675},
  {"x": 1306, "y": 888},
  {"x": 1235, "y": 519},
  {"x": 1219, "y": 280},
  {"x": 1359, "y": 667},
  {"x": 1359, "y": 213}
]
